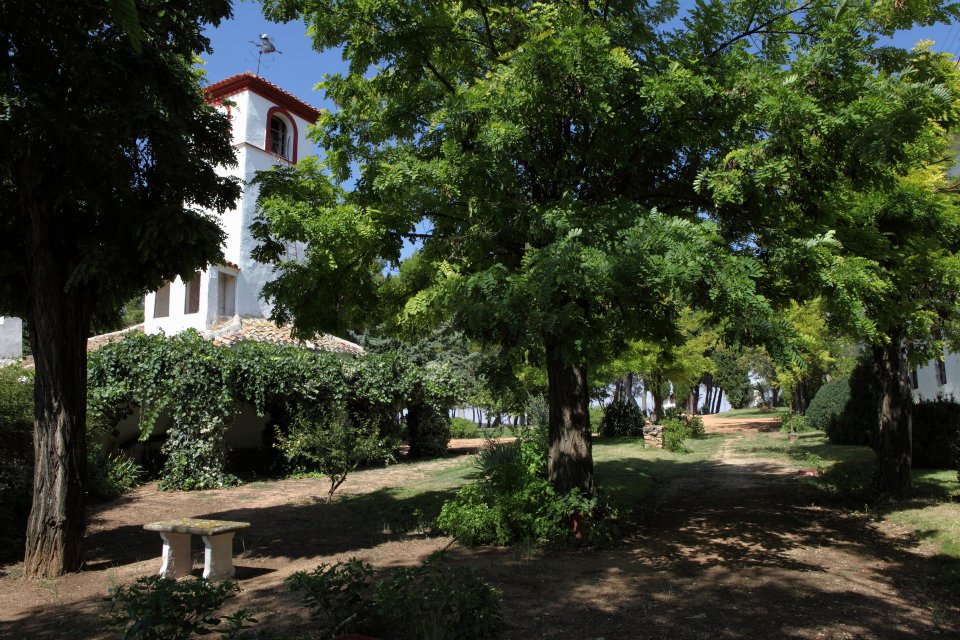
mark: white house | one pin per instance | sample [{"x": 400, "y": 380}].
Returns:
[
  {"x": 936, "y": 378},
  {"x": 269, "y": 128},
  {"x": 11, "y": 338}
]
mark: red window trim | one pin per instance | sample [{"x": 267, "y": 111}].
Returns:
[{"x": 293, "y": 125}]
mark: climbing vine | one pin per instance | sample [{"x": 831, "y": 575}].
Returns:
[{"x": 201, "y": 384}]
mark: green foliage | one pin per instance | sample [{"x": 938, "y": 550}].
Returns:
[
  {"x": 112, "y": 475},
  {"x": 332, "y": 443},
  {"x": 732, "y": 374},
  {"x": 463, "y": 428},
  {"x": 438, "y": 602},
  {"x": 513, "y": 501},
  {"x": 16, "y": 457},
  {"x": 695, "y": 426},
  {"x": 157, "y": 608},
  {"x": 428, "y": 602},
  {"x": 336, "y": 595},
  {"x": 622, "y": 419},
  {"x": 828, "y": 404},
  {"x": 859, "y": 421},
  {"x": 796, "y": 423},
  {"x": 675, "y": 432},
  {"x": 936, "y": 430},
  {"x": 329, "y": 413}
]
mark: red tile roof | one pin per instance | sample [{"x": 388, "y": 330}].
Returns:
[
  {"x": 262, "y": 330},
  {"x": 250, "y": 81}
]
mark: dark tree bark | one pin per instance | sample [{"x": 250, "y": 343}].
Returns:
[
  {"x": 894, "y": 445},
  {"x": 708, "y": 392},
  {"x": 657, "y": 392},
  {"x": 571, "y": 444},
  {"x": 629, "y": 387},
  {"x": 719, "y": 400},
  {"x": 56, "y": 525}
]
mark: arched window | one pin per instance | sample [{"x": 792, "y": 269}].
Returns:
[{"x": 280, "y": 143}]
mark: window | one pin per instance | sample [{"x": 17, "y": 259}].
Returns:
[
  {"x": 191, "y": 303},
  {"x": 941, "y": 372},
  {"x": 161, "y": 302},
  {"x": 279, "y": 137},
  {"x": 226, "y": 295}
]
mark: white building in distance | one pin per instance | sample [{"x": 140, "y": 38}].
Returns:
[
  {"x": 222, "y": 301},
  {"x": 11, "y": 338}
]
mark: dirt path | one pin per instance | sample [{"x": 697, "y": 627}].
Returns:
[{"x": 728, "y": 550}]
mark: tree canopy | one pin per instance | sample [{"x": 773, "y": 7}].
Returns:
[
  {"x": 108, "y": 186},
  {"x": 581, "y": 172}
]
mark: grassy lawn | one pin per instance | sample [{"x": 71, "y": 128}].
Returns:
[
  {"x": 932, "y": 510},
  {"x": 754, "y": 412},
  {"x": 627, "y": 471}
]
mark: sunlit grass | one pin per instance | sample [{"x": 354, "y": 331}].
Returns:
[{"x": 755, "y": 412}]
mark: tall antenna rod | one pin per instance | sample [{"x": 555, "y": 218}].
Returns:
[{"x": 264, "y": 46}]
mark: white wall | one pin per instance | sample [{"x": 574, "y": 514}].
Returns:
[
  {"x": 248, "y": 114},
  {"x": 11, "y": 338},
  {"x": 927, "y": 387}
]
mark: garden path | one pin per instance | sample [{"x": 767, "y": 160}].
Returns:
[{"x": 729, "y": 548}]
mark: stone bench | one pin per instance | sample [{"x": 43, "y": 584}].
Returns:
[{"x": 217, "y": 541}]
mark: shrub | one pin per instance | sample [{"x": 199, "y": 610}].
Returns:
[
  {"x": 796, "y": 423},
  {"x": 675, "y": 432},
  {"x": 428, "y": 429},
  {"x": 336, "y": 595},
  {"x": 157, "y": 608},
  {"x": 828, "y": 404},
  {"x": 463, "y": 428},
  {"x": 858, "y": 422},
  {"x": 428, "y": 602},
  {"x": 111, "y": 475},
  {"x": 936, "y": 429},
  {"x": 513, "y": 501},
  {"x": 330, "y": 442},
  {"x": 433, "y": 602},
  {"x": 695, "y": 425},
  {"x": 16, "y": 457},
  {"x": 622, "y": 419}
]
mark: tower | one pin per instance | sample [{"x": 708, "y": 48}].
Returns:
[{"x": 269, "y": 128}]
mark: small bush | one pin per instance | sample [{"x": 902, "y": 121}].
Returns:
[
  {"x": 828, "y": 404},
  {"x": 622, "y": 419},
  {"x": 330, "y": 442},
  {"x": 675, "y": 432},
  {"x": 16, "y": 458},
  {"x": 858, "y": 422},
  {"x": 796, "y": 423},
  {"x": 463, "y": 428},
  {"x": 111, "y": 475},
  {"x": 513, "y": 501},
  {"x": 695, "y": 425},
  {"x": 936, "y": 429},
  {"x": 428, "y": 602},
  {"x": 429, "y": 431},
  {"x": 336, "y": 595},
  {"x": 157, "y": 608},
  {"x": 433, "y": 602}
]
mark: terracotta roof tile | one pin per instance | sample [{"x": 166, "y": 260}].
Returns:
[
  {"x": 262, "y": 330},
  {"x": 249, "y": 80}
]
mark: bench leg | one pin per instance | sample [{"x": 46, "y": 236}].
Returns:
[
  {"x": 218, "y": 557},
  {"x": 176, "y": 555}
]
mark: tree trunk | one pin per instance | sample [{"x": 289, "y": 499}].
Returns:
[
  {"x": 657, "y": 392},
  {"x": 631, "y": 382},
  {"x": 708, "y": 392},
  {"x": 719, "y": 400},
  {"x": 895, "y": 436},
  {"x": 643, "y": 398},
  {"x": 571, "y": 454},
  {"x": 59, "y": 324}
]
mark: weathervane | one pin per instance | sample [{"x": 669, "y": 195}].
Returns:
[{"x": 265, "y": 46}]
